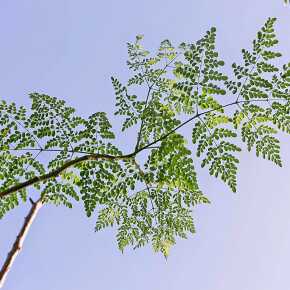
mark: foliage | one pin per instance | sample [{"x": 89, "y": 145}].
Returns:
[{"x": 150, "y": 198}]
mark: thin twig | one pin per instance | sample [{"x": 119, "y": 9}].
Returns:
[
  {"x": 28, "y": 165},
  {"x": 148, "y": 186},
  {"x": 198, "y": 115},
  {"x": 27, "y": 130},
  {"x": 208, "y": 130},
  {"x": 142, "y": 121},
  {"x": 63, "y": 131},
  {"x": 248, "y": 76},
  {"x": 198, "y": 81},
  {"x": 147, "y": 99}
]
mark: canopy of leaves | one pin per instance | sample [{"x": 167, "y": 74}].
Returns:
[{"x": 150, "y": 199}]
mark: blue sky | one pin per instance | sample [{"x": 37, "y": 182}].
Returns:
[{"x": 69, "y": 49}]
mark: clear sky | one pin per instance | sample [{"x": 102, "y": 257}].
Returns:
[{"x": 69, "y": 49}]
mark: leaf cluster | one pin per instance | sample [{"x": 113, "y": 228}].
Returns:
[{"x": 150, "y": 197}]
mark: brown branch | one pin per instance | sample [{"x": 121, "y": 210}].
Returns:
[
  {"x": 59, "y": 170},
  {"x": 18, "y": 244}
]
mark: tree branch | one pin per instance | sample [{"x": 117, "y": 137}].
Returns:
[
  {"x": 59, "y": 170},
  {"x": 90, "y": 157},
  {"x": 18, "y": 244},
  {"x": 201, "y": 114}
]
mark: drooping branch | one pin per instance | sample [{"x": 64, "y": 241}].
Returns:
[{"x": 18, "y": 244}]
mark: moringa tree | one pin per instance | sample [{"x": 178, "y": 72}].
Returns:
[{"x": 148, "y": 197}]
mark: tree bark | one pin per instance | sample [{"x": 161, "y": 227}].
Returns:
[{"x": 18, "y": 244}]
